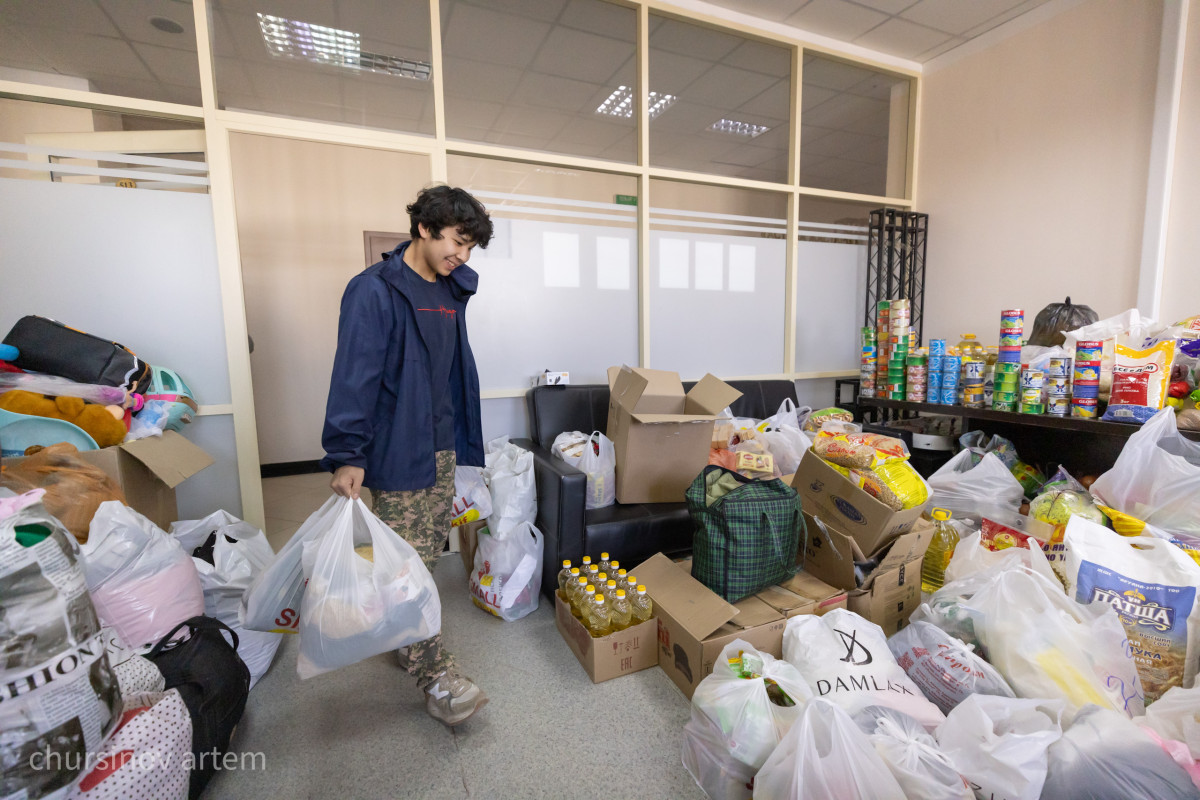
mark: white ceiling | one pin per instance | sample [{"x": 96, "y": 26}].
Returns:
[
  {"x": 915, "y": 30},
  {"x": 531, "y": 73}
]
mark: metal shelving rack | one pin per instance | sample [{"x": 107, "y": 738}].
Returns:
[{"x": 896, "y": 263}]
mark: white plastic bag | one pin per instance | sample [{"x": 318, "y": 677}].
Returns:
[
  {"x": 1047, "y": 645},
  {"x": 923, "y": 771},
  {"x": 508, "y": 572},
  {"x": 707, "y": 759},
  {"x": 142, "y": 582},
  {"x": 787, "y": 444},
  {"x": 826, "y": 756},
  {"x": 845, "y": 659},
  {"x": 972, "y": 558},
  {"x": 999, "y": 744},
  {"x": 1104, "y": 754},
  {"x": 472, "y": 500},
  {"x": 1153, "y": 586},
  {"x": 789, "y": 414},
  {"x": 354, "y": 608},
  {"x": 750, "y": 723},
  {"x": 272, "y": 602},
  {"x": 239, "y": 553},
  {"x": 970, "y": 490},
  {"x": 1176, "y": 715},
  {"x": 1156, "y": 477},
  {"x": 509, "y": 476},
  {"x": 944, "y": 668},
  {"x": 595, "y": 456}
]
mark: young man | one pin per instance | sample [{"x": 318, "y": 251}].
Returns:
[{"x": 403, "y": 403}]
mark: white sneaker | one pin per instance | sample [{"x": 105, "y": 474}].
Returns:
[{"x": 453, "y": 698}]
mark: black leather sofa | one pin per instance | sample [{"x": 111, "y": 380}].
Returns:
[{"x": 630, "y": 533}]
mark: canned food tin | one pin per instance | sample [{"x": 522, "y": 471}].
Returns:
[
  {"x": 1007, "y": 368},
  {"x": 1012, "y": 318},
  {"x": 949, "y": 395},
  {"x": 1059, "y": 368},
  {"x": 1058, "y": 406},
  {"x": 1031, "y": 395},
  {"x": 1088, "y": 351},
  {"x": 1059, "y": 387},
  {"x": 1084, "y": 407},
  {"x": 951, "y": 364},
  {"x": 915, "y": 396},
  {"x": 868, "y": 335},
  {"x": 1004, "y": 397},
  {"x": 866, "y": 391},
  {"x": 937, "y": 347},
  {"x": 1032, "y": 379},
  {"x": 936, "y": 362},
  {"x": 1033, "y": 408},
  {"x": 1009, "y": 355},
  {"x": 998, "y": 406},
  {"x": 1011, "y": 337},
  {"x": 900, "y": 304},
  {"x": 1088, "y": 391},
  {"x": 883, "y": 305},
  {"x": 973, "y": 370},
  {"x": 1086, "y": 372},
  {"x": 917, "y": 360},
  {"x": 896, "y": 395},
  {"x": 1007, "y": 383}
]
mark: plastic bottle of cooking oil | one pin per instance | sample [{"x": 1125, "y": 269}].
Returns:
[
  {"x": 610, "y": 591},
  {"x": 593, "y": 572},
  {"x": 621, "y": 611},
  {"x": 622, "y": 578},
  {"x": 630, "y": 586},
  {"x": 565, "y": 573},
  {"x": 643, "y": 606},
  {"x": 941, "y": 548},
  {"x": 599, "y": 623},
  {"x": 614, "y": 567},
  {"x": 575, "y": 596},
  {"x": 604, "y": 563}
]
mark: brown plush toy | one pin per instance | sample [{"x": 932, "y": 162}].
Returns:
[{"x": 100, "y": 422}]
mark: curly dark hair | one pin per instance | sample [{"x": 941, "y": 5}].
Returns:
[{"x": 439, "y": 207}]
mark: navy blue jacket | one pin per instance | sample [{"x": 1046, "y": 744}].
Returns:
[{"x": 380, "y": 410}]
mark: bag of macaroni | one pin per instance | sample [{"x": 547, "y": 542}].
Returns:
[{"x": 1152, "y": 585}]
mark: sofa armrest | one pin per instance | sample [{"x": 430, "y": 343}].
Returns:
[{"x": 561, "y": 509}]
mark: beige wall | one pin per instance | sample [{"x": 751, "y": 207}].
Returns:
[
  {"x": 302, "y": 208},
  {"x": 1032, "y": 167},
  {"x": 1181, "y": 278}
]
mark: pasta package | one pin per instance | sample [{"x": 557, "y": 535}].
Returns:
[
  {"x": 858, "y": 450},
  {"x": 1140, "y": 379},
  {"x": 1152, "y": 585},
  {"x": 819, "y": 418}
]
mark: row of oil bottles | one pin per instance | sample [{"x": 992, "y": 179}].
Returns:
[{"x": 603, "y": 596}]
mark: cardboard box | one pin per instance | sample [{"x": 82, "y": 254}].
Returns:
[
  {"x": 694, "y": 624},
  {"x": 831, "y": 496},
  {"x": 148, "y": 470},
  {"x": 893, "y": 589},
  {"x": 661, "y": 435},
  {"x": 824, "y": 597},
  {"x": 612, "y": 656}
]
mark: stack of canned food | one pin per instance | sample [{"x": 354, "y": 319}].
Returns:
[
  {"x": 1006, "y": 386},
  {"x": 870, "y": 358},
  {"x": 951, "y": 369},
  {"x": 901, "y": 341},
  {"x": 883, "y": 348},
  {"x": 1058, "y": 386},
  {"x": 933, "y": 370},
  {"x": 1086, "y": 389}
]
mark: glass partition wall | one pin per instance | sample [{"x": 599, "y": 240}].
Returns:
[{"x": 669, "y": 189}]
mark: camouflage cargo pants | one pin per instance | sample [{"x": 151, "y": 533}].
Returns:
[{"x": 422, "y": 518}]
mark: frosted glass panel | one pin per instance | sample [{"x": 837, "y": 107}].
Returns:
[
  {"x": 831, "y": 284},
  {"x": 557, "y": 287}
]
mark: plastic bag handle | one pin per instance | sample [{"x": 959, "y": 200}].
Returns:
[{"x": 193, "y": 623}]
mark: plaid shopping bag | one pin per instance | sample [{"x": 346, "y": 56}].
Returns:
[{"x": 746, "y": 531}]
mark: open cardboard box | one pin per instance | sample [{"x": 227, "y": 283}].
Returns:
[
  {"x": 148, "y": 470},
  {"x": 612, "y": 656},
  {"x": 661, "y": 435},
  {"x": 695, "y": 624},
  {"x": 830, "y": 495},
  {"x": 891, "y": 592}
]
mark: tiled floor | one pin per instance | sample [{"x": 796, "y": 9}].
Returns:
[{"x": 362, "y": 731}]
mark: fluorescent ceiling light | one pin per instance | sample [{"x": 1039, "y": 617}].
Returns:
[
  {"x": 736, "y": 128},
  {"x": 289, "y": 38},
  {"x": 620, "y": 103}
]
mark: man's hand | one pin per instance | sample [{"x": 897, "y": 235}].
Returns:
[{"x": 347, "y": 480}]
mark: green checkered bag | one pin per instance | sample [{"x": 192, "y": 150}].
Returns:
[{"x": 747, "y": 532}]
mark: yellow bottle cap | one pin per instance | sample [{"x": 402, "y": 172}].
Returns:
[
  {"x": 641, "y": 588},
  {"x": 586, "y": 560},
  {"x": 582, "y": 580},
  {"x": 633, "y": 580},
  {"x": 620, "y": 592},
  {"x": 574, "y": 572},
  {"x": 590, "y": 589},
  {"x": 615, "y": 565},
  {"x": 604, "y": 556},
  {"x": 599, "y": 599},
  {"x": 612, "y": 584},
  {"x": 941, "y": 514},
  {"x": 603, "y": 576}
]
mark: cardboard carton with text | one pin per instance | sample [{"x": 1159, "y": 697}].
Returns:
[{"x": 607, "y": 657}]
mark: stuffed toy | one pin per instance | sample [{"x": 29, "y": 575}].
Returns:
[{"x": 105, "y": 424}]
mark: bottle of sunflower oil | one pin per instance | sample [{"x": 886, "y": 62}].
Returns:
[
  {"x": 622, "y": 611},
  {"x": 643, "y": 606},
  {"x": 599, "y": 623},
  {"x": 941, "y": 548},
  {"x": 565, "y": 573}
]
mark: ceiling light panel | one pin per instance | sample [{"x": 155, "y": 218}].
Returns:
[
  {"x": 620, "y": 103},
  {"x": 737, "y": 128},
  {"x": 320, "y": 44}
]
